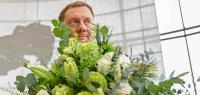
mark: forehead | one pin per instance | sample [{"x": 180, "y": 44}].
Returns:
[{"x": 81, "y": 11}]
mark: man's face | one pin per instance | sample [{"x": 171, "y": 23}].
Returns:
[{"x": 79, "y": 19}]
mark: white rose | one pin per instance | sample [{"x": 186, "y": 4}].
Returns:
[
  {"x": 124, "y": 61},
  {"x": 42, "y": 92}
]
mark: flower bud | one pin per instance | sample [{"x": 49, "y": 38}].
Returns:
[
  {"x": 62, "y": 90},
  {"x": 67, "y": 51}
]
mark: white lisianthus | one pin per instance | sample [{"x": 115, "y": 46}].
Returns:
[
  {"x": 103, "y": 64},
  {"x": 124, "y": 88},
  {"x": 124, "y": 61},
  {"x": 108, "y": 56},
  {"x": 42, "y": 92}
]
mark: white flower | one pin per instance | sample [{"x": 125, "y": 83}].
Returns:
[
  {"x": 42, "y": 92},
  {"x": 108, "y": 56},
  {"x": 103, "y": 64},
  {"x": 124, "y": 61},
  {"x": 124, "y": 88}
]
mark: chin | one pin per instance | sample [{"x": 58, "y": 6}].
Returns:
[{"x": 84, "y": 41}]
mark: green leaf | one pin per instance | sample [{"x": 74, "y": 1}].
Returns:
[
  {"x": 141, "y": 89},
  {"x": 42, "y": 73},
  {"x": 62, "y": 25},
  {"x": 21, "y": 85},
  {"x": 96, "y": 84},
  {"x": 85, "y": 73},
  {"x": 72, "y": 81},
  {"x": 182, "y": 74},
  {"x": 172, "y": 74},
  {"x": 104, "y": 30},
  {"x": 167, "y": 84},
  {"x": 68, "y": 30},
  {"x": 31, "y": 79},
  {"x": 57, "y": 32},
  {"x": 91, "y": 87},
  {"x": 55, "y": 22},
  {"x": 65, "y": 39},
  {"x": 62, "y": 43},
  {"x": 31, "y": 91},
  {"x": 60, "y": 50},
  {"x": 19, "y": 78},
  {"x": 177, "y": 80},
  {"x": 155, "y": 88}
]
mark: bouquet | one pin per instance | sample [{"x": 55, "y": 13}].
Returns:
[{"x": 97, "y": 67}]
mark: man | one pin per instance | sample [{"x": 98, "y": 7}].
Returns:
[{"x": 78, "y": 16}]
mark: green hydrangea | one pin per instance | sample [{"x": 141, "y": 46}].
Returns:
[
  {"x": 98, "y": 78},
  {"x": 85, "y": 54},
  {"x": 88, "y": 54}
]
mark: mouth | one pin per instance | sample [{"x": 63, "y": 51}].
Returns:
[{"x": 83, "y": 39}]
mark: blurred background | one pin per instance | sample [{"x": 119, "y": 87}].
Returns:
[{"x": 170, "y": 28}]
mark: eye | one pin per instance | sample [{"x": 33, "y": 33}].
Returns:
[
  {"x": 74, "y": 22},
  {"x": 87, "y": 22}
]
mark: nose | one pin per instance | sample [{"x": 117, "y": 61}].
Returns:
[{"x": 82, "y": 27}]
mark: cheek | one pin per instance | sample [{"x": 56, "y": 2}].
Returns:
[
  {"x": 90, "y": 31},
  {"x": 72, "y": 33}
]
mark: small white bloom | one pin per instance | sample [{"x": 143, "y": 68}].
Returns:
[
  {"x": 124, "y": 61},
  {"x": 108, "y": 55},
  {"x": 103, "y": 64},
  {"x": 42, "y": 92},
  {"x": 124, "y": 88}
]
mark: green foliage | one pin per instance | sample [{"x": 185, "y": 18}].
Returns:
[
  {"x": 117, "y": 53},
  {"x": 104, "y": 30},
  {"x": 88, "y": 54},
  {"x": 55, "y": 23},
  {"x": 29, "y": 81},
  {"x": 140, "y": 85},
  {"x": 166, "y": 86},
  {"x": 144, "y": 65},
  {"x": 140, "y": 72},
  {"x": 42, "y": 73},
  {"x": 103, "y": 38},
  {"x": 62, "y": 32}
]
